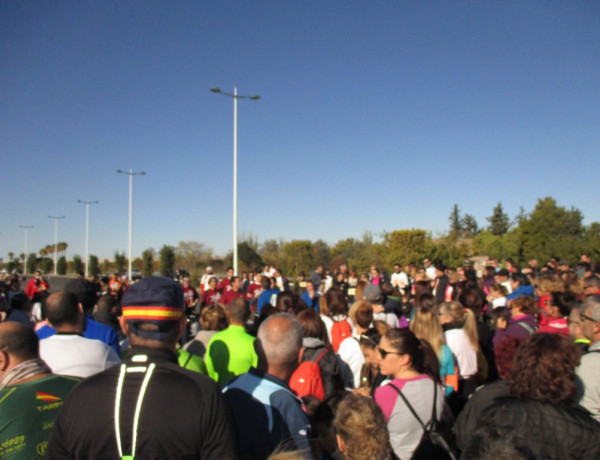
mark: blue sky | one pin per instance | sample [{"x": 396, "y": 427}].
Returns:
[{"x": 373, "y": 116}]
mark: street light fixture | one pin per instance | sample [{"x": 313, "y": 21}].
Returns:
[
  {"x": 26, "y": 227},
  {"x": 87, "y": 230},
  {"x": 55, "y": 239},
  {"x": 235, "y": 96},
  {"x": 130, "y": 173}
]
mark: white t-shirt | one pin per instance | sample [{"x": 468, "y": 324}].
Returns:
[
  {"x": 351, "y": 354},
  {"x": 466, "y": 357},
  {"x": 71, "y": 354},
  {"x": 499, "y": 302},
  {"x": 400, "y": 280}
]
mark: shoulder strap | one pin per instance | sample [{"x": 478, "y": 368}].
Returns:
[
  {"x": 527, "y": 327},
  {"x": 321, "y": 355},
  {"x": 410, "y": 408}
]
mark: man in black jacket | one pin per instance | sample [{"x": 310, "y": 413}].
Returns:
[{"x": 148, "y": 407}]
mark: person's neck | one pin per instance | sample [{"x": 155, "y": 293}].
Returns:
[
  {"x": 406, "y": 373},
  {"x": 32, "y": 378},
  {"x": 282, "y": 372},
  {"x": 69, "y": 329}
]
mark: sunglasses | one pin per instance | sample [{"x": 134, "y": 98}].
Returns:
[{"x": 383, "y": 353}]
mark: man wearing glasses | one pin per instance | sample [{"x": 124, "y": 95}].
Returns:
[{"x": 589, "y": 369}]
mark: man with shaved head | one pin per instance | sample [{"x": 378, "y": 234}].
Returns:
[
  {"x": 265, "y": 411},
  {"x": 30, "y": 396},
  {"x": 68, "y": 352}
]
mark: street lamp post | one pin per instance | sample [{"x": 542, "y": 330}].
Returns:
[
  {"x": 130, "y": 173},
  {"x": 55, "y": 238},
  {"x": 87, "y": 230},
  {"x": 235, "y": 96},
  {"x": 26, "y": 227}
]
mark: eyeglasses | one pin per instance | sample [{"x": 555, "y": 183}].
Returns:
[
  {"x": 383, "y": 353},
  {"x": 569, "y": 322},
  {"x": 584, "y": 317}
]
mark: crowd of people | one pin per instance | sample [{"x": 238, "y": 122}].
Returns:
[{"x": 419, "y": 362}]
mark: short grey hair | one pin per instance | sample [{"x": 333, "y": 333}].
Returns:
[
  {"x": 280, "y": 342},
  {"x": 593, "y": 302}
]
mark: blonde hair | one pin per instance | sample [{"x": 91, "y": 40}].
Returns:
[
  {"x": 466, "y": 317},
  {"x": 548, "y": 284},
  {"x": 323, "y": 307},
  {"x": 382, "y": 327},
  {"x": 362, "y": 426},
  {"x": 426, "y": 326}
]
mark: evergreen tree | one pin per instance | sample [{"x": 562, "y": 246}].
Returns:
[
  {"x": 147, "y": 262},
  {"x": 167, "y": 261},
  {"x": 31, "y": 263},
  {"x": 120, "y": 262},
  {"x": 499, "y": 222},
  {"x": 469, "y": 226},
  {"x": 94, "y": 268},
  {"x": 455, "y": 221},
  {"x": 47, "y": 264},
  {"x": 61, "y": 265},
  {"x": 77, "y": 264}
]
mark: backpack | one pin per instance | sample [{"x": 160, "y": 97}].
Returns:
[
  {"x": 307, "y": 380},
  {"x": 432, "y": 444},
  {"x": 340, "y": 331}
]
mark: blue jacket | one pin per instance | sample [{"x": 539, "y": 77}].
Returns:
[
  {"x": 266, "y": 414},
  {"x": 520, "y": 291},
  {"x": 311, "y": 303},
  {"x": 265, "y": 298}
]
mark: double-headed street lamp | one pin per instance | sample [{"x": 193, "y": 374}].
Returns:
[
  {"x": 130, "y": 173},
  {"x": 87, "y": 230},
  {"x": 26, "y": 227},
  {"x": 55, "y": 238},
  {"x": 235, "y": 97}
]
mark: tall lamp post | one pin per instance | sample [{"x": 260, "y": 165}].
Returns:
[
  {"x": 56, "y": 218},
  {"x": 235, "y": 96},
  {"x": 87, "y": 230},
  {"x": 26, "y": 227},
  {"x": 130, "y": 173}
]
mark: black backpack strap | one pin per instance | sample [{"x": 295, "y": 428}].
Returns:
[{"x": 412, "y": 410}]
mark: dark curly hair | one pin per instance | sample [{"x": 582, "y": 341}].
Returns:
[
  {"x": 544, "y": 369},
  {"x": 504, "y": 352}
]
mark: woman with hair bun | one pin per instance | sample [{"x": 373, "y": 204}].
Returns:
[{"x": 415, "y": 370}]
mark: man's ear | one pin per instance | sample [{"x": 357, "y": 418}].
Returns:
[
  {"x": 300, "y": 354},
  {"x": 340, "y": 442},
  {"x": 124, "y": 326},
  {"x": 80, "y": 307},
  {"x": 4, "y": 360}
]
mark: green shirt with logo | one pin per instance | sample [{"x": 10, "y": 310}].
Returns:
[{"x": 27, "y": 413}]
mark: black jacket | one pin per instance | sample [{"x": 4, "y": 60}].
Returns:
[
  {"x": 183, "y": 415},
  {"x": 331, "y": 373},
  {"x": 550, "y": 431},
  {"x": 484, "y": 397}
]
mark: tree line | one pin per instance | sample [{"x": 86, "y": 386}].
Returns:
[{"x": 549, "y": 230}]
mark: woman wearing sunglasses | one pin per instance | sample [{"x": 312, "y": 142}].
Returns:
[{"x": 415, "y": 370}]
